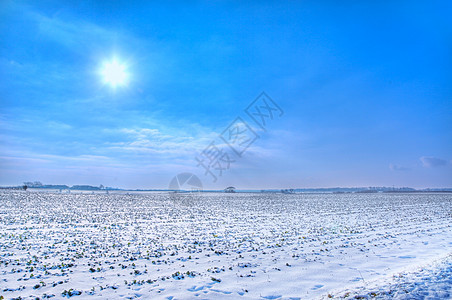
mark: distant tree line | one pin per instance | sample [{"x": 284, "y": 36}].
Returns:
[{"x": 38, "y": 184}]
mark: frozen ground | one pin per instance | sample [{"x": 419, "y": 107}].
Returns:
[{"x": 215, "y": 246}]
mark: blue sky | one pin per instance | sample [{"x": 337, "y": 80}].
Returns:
[{"x": 365, "y": 89}]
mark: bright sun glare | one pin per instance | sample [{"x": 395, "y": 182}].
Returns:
[{"x": 114, "y": 73}]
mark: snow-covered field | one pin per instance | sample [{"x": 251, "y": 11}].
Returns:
[
  {"x": 432, "y": 281},
  {"x": 215, "y": 246}
]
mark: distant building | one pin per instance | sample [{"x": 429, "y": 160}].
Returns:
[{"x": 229, "y": 189}]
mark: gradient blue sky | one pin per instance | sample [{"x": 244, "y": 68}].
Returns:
[{"x": 366, "y": 90}]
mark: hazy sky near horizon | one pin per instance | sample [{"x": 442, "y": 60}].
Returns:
[{"x": 366, "y": 91}]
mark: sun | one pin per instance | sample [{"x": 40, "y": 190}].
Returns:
[{"x": 114, "y": 73}]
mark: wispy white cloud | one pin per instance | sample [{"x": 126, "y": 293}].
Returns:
[
  {"x": 155, "y": 141},
  {"x": 75, "y": 34},
  {"x": 51, "y": 158},
  {"x": 432, "y": 162},
  {"x": 395, "y": 167},
  {"x": 55, "y": 125}
]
